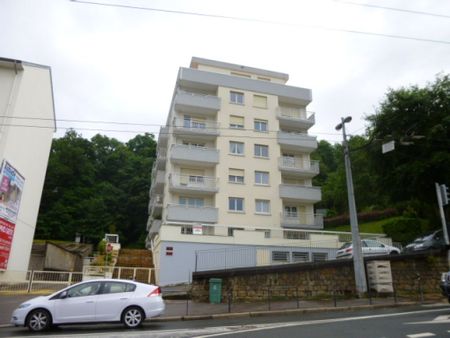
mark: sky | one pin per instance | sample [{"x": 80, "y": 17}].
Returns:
[{"x": 118, "y": 64}]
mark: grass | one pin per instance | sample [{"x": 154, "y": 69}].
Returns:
[{"x": 370, "y": 227}]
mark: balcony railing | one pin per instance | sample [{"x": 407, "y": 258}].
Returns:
[
  {"x": 206, "y": 127},
  {"x": 297, "y": 141},
  {"x": 196, "y": 103},
  {"x": 194, "y": 183},
  {"x": 183, "y": 154},
  {"x": 187, "y": 213},
  {"x": 295, "y": 118},
  {"x": 299, "y": 192},
  {"x": 301, "y": 220},
  {"x": 297, "y": 165}
]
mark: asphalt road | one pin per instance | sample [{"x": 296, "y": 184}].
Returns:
[{"x": 410, "y": 322}]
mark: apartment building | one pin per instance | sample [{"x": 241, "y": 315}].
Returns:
[
  {"x": 234, "y": 172},
  {"x": 27, "y": 124}
]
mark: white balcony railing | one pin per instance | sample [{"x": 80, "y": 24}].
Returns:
[
  {"x": 299, "y": 219},
  {"x": 193, "y": 181},
  {"x": 197, "y": 126},
  {"x": 298, "y": 164}
]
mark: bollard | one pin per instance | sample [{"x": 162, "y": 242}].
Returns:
[
  {"x": 334, "y": 298},
  {"x": 229, "y": 295},
  {"x": 268, "y": 297},
  {"x": 395, "y": 292},
  {"x": 298, "y": 300}
]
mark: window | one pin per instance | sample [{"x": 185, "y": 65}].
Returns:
[
  {"x": 236, "y": 204},
  {"x": 261, "y": 150},
  {"x": 261, "y": 178},
  {"x": 300, "y": 256},
  {"x": 186, "y": 229},
  {"x": 319, "y": 256},
  {"x": 194, "y": 144},
  {"x": 237, "y": 97},
  {"x": 262, "y": 206},
  {"x": 118, "y": 287},
  {"x": 191, "y": 122},
  {"x": 290, "y": 212},
  {"x": 290, "y": 234},
  {"x": 260, "y": 101},
  {"x": 260, "y": 125},
  {"x": 83, "y": 290},
  {"x": 191, "y": 202},
  {"x": 280, "y": 256},
  {"x": 236, "y": 148},
  {"x": 236, "y": 176},
  {"x": 236, "y": 122}
]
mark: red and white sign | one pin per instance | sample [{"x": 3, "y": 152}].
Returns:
[{"x": 6, "y": 236}]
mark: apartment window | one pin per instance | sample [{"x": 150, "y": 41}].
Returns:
[
  {"x": 236, "y": 97},
  {"x": 300, "y": 256},
  {"x": 319, "y": 256},
  {"x": 260, "y": 125},
  {"x": 290, "y": 212},
  {"x": 236, "y": 122},
  {"x": 262, "y": 206},
  {"x": 194, "y": 144},
  {"x": 236, "y": 204},
  {"x": 290, "y": 234},
  {"x": 236, "y": 176},
  {"x": 260, "y": 101},
  {"x": 191, "y": 202},
  {"x": 280, "y": 256},
  {"x": 261, "y": 150},
  {"x": 261, "y": 177},
  {"x": 191, "y": 122},
  {"x": 236, "y": 148}
]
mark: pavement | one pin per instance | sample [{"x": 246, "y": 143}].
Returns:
[{"x": 183, "y": 309}]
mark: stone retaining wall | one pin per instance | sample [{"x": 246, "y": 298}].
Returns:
[{"x": 409, "y": 273}]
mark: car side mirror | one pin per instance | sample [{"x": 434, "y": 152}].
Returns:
[{"x": 63, "y": 295}]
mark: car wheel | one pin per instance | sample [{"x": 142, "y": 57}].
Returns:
[
  {"x": 39, "y": 320},
  {"x": 132, "y": 317},
  {"x": 393, "y": 253}
]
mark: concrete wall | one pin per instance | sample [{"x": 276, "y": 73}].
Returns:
[
  {"x": 57, "y": 258},
  {"x": 25, "y": 92},
  {"x": 251, "y": 284}
]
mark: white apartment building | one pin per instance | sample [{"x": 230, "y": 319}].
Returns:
[
  {"x": 234, "y": 172},
  {"x": 27, "y": 124}
]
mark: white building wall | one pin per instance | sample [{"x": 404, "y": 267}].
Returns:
[{"x": 26, "y": 148}]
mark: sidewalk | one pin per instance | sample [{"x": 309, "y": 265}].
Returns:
[{"x": 190, "y": 310}]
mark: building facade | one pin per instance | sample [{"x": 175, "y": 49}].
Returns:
[
  {"x": 27, "y": 124},
  {"x": 234, "y": 172}
]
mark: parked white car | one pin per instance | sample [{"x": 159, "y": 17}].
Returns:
[
  {"x": 101, "y": 300},
  {"x": 370, "y": 247}
]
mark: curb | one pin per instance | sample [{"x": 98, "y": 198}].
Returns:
[{"x": 278, "y": 312}]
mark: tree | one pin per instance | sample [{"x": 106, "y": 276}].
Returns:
[{"x": 418, "y": 120}]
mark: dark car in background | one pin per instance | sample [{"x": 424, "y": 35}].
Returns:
[{"x": 433, "y": 241}]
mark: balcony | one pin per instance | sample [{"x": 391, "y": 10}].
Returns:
[
  {"x": 155, "y": 226},
  {"x": 158, "y": 177},
  {"x": 300, "y": 193},
  {"x": 161, "y": 158},
  {"x": 295, "y": 118},
  {"x": 298, "y": 167},
  {"x": 155, "y": 205},
  {"x": 204, "y": 130},
  {"x": 163, "y": 137},
  {"x": 297, "y": 141},
  {"x": 183, "y": 154},
  {"x": 192, "y": 184},
  {"x": 296, "y": 220},
  {"x": 185, "y": 213},
  {"x": 197, "y": 104}
]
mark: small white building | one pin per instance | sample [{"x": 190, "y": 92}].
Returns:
[{"x": 27, "y": 124}]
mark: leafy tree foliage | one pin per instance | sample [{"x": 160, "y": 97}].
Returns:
[{"x": 94, "y": 186}]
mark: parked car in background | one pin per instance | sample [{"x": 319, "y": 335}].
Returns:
[
  {"x": 102, "y": 300},
  {"x": 370, "y": 247},
  {"x": 435, "y": 241},
  {"x": 445, "y": 285}
]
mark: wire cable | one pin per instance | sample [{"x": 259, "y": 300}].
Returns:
[{"x": 228, "y": 17}]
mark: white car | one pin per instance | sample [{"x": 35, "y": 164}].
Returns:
[
  {"x": 370, "y": 247},
  {"x": 101, "y": 300}
]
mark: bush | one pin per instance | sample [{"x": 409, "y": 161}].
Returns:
[
  {"x": 405, "y": 229},
  {"x": 363, "y": 217}
]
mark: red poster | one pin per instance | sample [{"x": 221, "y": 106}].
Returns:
[{"x": 6, "y": 237}]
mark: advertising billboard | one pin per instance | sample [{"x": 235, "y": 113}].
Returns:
[{"x": 6, "y": 236}]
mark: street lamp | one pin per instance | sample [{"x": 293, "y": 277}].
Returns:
[{"x": 358, "y": 262}]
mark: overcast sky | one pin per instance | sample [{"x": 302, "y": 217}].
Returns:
[{"x": 119, "y": 64}]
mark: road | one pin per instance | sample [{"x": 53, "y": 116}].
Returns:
[{"x": 410, "y": 322}]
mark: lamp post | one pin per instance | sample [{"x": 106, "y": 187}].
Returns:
[{"x": 358, "y": 262}]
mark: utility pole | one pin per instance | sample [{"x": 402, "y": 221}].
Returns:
[
  {"x": 442, "y": 197},
  {"x": 358, "y": 261}
]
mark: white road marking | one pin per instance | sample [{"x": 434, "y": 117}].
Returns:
[
  {"x": 438, "y": 320},
  {"x": 421, "y": 335}
]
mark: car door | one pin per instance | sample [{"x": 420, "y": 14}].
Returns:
[
  {"x": 79, "y": 304},
  {"x": 115, "y": 296}
]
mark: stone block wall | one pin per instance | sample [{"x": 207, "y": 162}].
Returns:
[{"x": 321, "y": 279}]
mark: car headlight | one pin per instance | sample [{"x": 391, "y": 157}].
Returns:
[{"x": 24, "y": 305}]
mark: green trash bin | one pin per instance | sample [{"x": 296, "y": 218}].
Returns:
[{"x": 215, "y": 290}]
